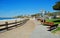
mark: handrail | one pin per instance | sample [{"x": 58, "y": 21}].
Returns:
[{"x": 7, "y": 24}]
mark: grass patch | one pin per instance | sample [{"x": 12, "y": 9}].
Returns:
[
  {"x": 56, "y": 22},
  {"x": 52, "y": 20}
]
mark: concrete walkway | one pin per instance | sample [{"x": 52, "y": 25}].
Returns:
[
  {"x": 41, "y": 32},
  {"x": 20, "y": 32}
]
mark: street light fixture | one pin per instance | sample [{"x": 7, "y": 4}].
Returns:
[{"x": 43, "y": 13}]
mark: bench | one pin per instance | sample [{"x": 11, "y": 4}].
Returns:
[
  {"x": 53, "y": 27},
  {"x": 48, "y": 23}
]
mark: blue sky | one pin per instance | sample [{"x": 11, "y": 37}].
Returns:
[{"x": 10, "y": 8}]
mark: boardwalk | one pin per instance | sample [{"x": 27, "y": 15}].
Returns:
[{"x": 20, "y": 32}]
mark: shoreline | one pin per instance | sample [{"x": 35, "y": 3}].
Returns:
[{"x": 10, "y": 20}]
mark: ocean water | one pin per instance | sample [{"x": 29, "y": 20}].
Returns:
[{"x": 5, "y": 18}]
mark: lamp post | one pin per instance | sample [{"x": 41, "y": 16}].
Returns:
[
  {"x": 43, "y": 12},
  {"x": 42, "y": 15}
]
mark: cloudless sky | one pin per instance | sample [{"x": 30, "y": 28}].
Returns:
[{"x": 10, "y": 8}]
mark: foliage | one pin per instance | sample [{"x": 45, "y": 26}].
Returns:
[
  {"x": 57, "y": 6},
  {"x": 35, "y": 15},
  {"x": 56, "y": 13},
  {"x": 18, "y": 16},
  {"x": 50, "y": 14}
]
